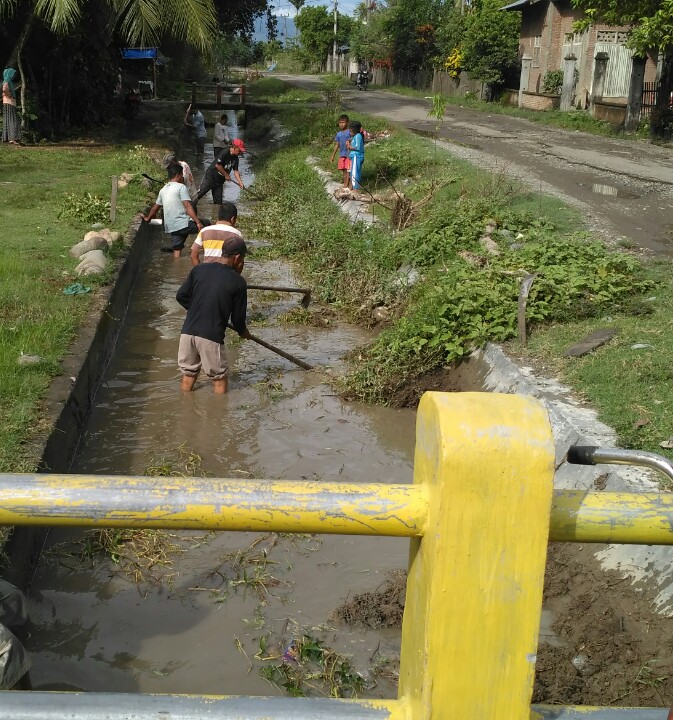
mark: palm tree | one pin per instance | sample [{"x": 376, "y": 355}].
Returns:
[
  {"x": 298, "y": 4},
  {"x": 138, "y": 22}
]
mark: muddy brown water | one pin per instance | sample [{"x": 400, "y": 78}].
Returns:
[{"x": 195, "y": 632}]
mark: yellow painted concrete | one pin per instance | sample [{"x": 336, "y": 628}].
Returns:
[{"x": 474, "y": 593}]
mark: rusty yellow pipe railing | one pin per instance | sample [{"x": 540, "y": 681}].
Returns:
[{"x": 297, "y": 506}]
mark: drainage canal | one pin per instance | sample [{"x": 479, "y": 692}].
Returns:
[{"x": 216, "y": 612}]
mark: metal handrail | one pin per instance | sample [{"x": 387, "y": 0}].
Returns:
[{"x": 592, "y": 455}]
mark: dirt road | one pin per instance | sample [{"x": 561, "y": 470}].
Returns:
[{"x": 623, "y": 187}]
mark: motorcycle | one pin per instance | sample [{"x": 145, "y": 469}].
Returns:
[{"x": 362, "y": 80}]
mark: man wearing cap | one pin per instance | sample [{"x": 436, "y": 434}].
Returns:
[
  {"x": 180, "y": 219},
  {"x": 220, "y": 170},
  {"x": 213, "y": 293}
]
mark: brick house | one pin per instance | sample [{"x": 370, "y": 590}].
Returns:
[{"x": 547, "y": 36}]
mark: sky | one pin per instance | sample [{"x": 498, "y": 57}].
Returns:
[{"x": 283, "y": 9}]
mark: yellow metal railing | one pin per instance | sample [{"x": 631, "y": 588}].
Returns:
[{"x": 479, "y": 515}]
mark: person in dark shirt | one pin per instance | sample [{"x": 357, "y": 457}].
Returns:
[
  {"x": 213, "y": 293},
  {"x": 221, "y": 170}
]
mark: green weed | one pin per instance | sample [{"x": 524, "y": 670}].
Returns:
[{"x": 308, "y": 665}]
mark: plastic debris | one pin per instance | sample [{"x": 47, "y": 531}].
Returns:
[
  {"x": 641, "y": 346},
  {"x": 76, "y": 289},
  {"x": 291, "y": 653}
]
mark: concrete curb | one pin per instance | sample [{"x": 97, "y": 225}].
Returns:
[
  {"x": 357, "y": 211},
  {"x": 67, "y": 402},
  {"x": 646, "y": 566}
]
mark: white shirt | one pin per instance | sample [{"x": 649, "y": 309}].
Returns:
[
  {"x": 171, "y": 196},
  {"x": 220, "y": 135}
]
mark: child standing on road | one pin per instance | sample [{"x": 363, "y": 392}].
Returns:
[
  {"x": 356, "y": 152},
  {"x": 341, "y": 144}
]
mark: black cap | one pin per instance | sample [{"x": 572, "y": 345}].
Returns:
[{"x": 234, "y": 246}]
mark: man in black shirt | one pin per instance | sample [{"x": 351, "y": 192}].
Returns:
[
  {"x": 221, "y": 169},
  {"x": 212, "y": 293}
]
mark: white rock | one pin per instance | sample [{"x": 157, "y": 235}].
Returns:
[
  {"x": 111, "y": 236},
  {"x": 92, "y": 241},
  {"x": 124, "y": 180},
  {"x": 381, "y": 314},
  {"x": 489, "y": 245},
  {"x": 29, "y": 359},
  {"x": 93, "y": 263}
]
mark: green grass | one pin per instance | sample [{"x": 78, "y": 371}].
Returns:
[
  {"x": 574, "y": 120},
  {"x": 274, "y": 90},
  {"x": 36, "y": 318},
  {"x": 626, "y": 385}
]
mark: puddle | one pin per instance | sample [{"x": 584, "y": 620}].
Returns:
[{"x": 610, "y": 190}]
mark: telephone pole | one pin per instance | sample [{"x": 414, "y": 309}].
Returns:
[{"x": 334, "y": 47}]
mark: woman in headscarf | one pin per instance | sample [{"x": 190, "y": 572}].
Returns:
[{"x": 10, "y": 119}]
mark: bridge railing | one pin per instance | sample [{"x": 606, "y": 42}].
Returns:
[
  {"x": 218, "y": 94},
  {"x": 479, "y": 515}
]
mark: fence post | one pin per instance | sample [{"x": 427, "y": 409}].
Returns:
[
  {"x": 526, "y": 63},
  {"x": 568, "y": 89},
  {"x": 634, "y": 104},
  {"x": 193, "y": 93},
  {"x": 598, "y": 83},
  {"x": 242, "y": 95},
  {"x": 474, "y": 592}
]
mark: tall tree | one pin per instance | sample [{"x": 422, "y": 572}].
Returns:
[
  {"x": 490, "y": 46},
  {"x": 298, "y": 4},
  {"x": 316, "y": 25},
  {"x": 369, "y": 39},
  {"x": 410, "y": 26},
  {"x": 271, "y": 25},
  {"x": 136, "y": 21}
]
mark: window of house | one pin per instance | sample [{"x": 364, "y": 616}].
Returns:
[{"x": 537, "y": 47}]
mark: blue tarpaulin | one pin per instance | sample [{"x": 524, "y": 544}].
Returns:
[{"x": 139, "y": 53}]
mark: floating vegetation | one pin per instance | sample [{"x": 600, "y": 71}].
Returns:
[
  {"x": 384, "y": 607},
  {"x": 272, "y": 390},
  {"x": 250, "y": 568},
  {"x": 308, "y": 666},
  {"x": 297, "y": 316},
  {"x": 141, "y": 555}
]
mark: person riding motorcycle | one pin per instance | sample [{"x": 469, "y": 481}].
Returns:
[{"x": 362, "y": 78}]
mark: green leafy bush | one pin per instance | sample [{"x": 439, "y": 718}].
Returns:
[
  {"x": 465, "y": 305},
  {"x": 553, "y": 82},
  {"x": 88, "y": 208}
]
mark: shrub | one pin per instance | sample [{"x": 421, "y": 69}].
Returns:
[{"x": 553, "y": 82}]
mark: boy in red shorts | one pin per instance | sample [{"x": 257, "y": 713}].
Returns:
[{"x": 341, "y": 144}]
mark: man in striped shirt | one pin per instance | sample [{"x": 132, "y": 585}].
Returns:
[{"x": 211, "y": 242}]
